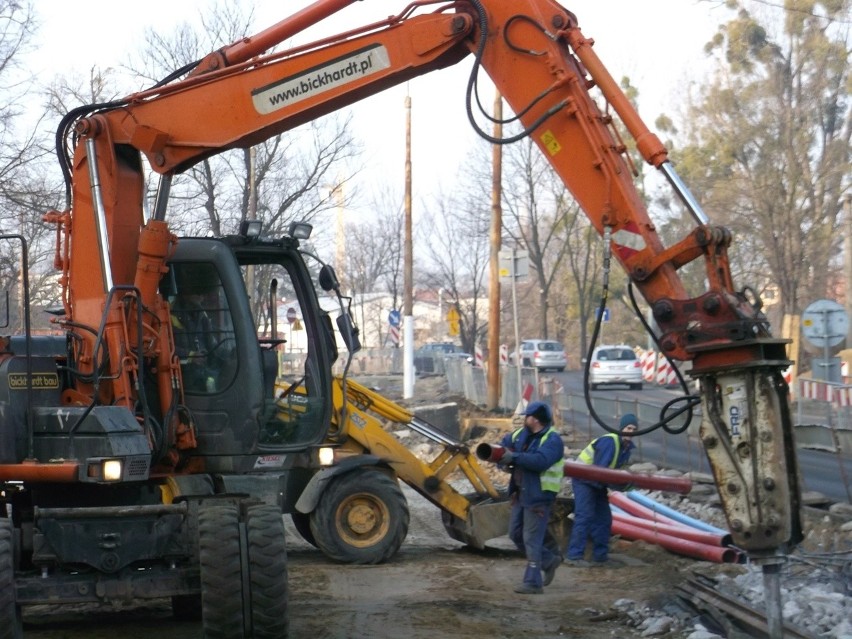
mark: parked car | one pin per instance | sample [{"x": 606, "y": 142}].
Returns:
[
  {"x": 426, "y": 356},
  {"x": 615, "y": 364},
  {"x": 541, "y": 354}
]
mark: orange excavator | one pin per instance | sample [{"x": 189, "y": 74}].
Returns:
[{"x": 139, "y": 458}]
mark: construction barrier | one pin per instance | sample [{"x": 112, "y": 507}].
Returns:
[
  {"x": 840, "y": 395},
  {"x": 666, "y": 375},
  {"x": 648, "y": 359},
  {"x": 478, "y": 358}
]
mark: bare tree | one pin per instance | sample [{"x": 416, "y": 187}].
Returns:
[
  {"x": 457, "y": 249},
  {"x": 535, "y": 207},
  {"x": 26, "y": 192}
]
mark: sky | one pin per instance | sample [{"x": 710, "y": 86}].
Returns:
[{"x": 657, "y": 43}]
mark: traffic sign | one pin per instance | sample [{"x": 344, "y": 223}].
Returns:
[
  {"x": 513, "y": 264},
  {"x": 605, "y": 313},
  {"x": 394, "y": 318},
  {"x": 825, "y": 323},
  {"x": 453, "y": 321},
  {"x": 291, "y": 315}
]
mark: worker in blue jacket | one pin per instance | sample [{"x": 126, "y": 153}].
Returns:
[
  {"x": 592, "y": 515},
  {"x": 534, "y": 456}
]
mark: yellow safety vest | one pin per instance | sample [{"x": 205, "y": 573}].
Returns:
[
  {"x": 551, "y": 479},
  {"x": 587, "y": 456}
]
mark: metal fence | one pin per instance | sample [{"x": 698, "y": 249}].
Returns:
[{"x": 822, "y": 411}]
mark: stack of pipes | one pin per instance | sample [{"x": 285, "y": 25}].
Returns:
[{"x": 637, "y": 517}]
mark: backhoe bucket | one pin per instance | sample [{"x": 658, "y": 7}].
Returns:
[{"x": 486, "y": 520}]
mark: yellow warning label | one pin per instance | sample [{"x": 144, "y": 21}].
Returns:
[
  {"x": 39, "y": 381},
  {"x": 550, "y": 142}
]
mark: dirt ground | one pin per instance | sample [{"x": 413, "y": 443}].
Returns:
[{"x": 433, "y": 588}]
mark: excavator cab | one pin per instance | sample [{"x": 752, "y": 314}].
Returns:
[{"x": 232, "y": 352}]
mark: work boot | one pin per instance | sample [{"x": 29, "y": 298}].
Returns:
[
  {"x": 549, "y": 573},
  {"x": 578, "y": 563},
  {"x": 527, "y": 589}
]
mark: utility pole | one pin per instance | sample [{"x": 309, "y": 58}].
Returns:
[
  {"x": 847, "y": 259},
  {"x": 408, "y": 268},
  {"x": 493, "y": 373}
]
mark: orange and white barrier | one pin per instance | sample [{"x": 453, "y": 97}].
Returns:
[
  {"x": 504, "y": 355},
  {"x": 648, "y": 359},
  {"x": 478, "y": 358},
  {"x": 665, "y": 373},
  {"x": 838, "y": 394}
]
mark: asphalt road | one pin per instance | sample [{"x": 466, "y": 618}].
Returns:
[{"x": 824, "y": 472}]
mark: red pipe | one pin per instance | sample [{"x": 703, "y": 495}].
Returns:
[
  {"x": 682, "y": 532},
  {"x": 681, "y": 485},
  {"x": 676, "y": 544},
  {"x": 638, "y": 510}
]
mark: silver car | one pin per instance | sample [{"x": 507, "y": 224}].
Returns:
[
  {"x": 615, "y": 365},
  {"x": 542, "y": 354}
]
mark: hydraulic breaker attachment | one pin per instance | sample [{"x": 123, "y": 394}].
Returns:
[{"x": 747, "y": 432}]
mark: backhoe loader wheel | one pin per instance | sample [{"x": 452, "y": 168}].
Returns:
[
  {"x": 362, "y": 518},
  {"x": 221, "y": 571},
  {"x": 267, "y": 553},
  {"x": 11, "y": 624}
]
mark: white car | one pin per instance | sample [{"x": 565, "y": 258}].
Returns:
[
  {"x": 541, "y": 354},
  {"x": 616, "y": 364}
]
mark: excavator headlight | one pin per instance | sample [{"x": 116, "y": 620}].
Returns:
[
  {"x": 300, "y": 230},
  {"x": 104, "y": 470},
  {"x": 251, "y": 228},
  {"x": 112, "y": 469},
  {"x": 325, "y": 456}
]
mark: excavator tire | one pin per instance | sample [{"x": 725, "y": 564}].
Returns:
[
  {"x": 11, "y": 622},
  {"x": 362, "y": 518},
  {"x": 267, "y": 555},
  {"x": 302, "y": 524},
  {"x": 221, "y": 571}
]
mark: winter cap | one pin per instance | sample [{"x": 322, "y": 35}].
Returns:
[
  {"x": 628, "y": 420},
  {"x": 540, "y": 411}
]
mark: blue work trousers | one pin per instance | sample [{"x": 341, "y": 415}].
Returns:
[
  {"x": 592, "y": 520},
  {"x": 528, "y": 530}
]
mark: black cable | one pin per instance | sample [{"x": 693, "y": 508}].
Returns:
[
  {"x": 472, "y": 93},
  {"x": 666, "y": 417}
]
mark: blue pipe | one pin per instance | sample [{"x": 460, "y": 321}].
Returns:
[{"x": 646, "y": 501}]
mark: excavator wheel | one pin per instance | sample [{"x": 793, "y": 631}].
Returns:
[
  {"x": 221, "y": 570},
  {"x": 267, "y": 555},
  {"x": 302, "y": 523},
  {"x": 362, "y": 518},
  {"x": 11, "y": 623}
]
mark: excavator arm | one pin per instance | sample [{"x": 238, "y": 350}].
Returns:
[{"x": 537, "y": 56}]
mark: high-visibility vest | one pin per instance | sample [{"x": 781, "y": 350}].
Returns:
[
  {"x": 587, "y": 456},
  {"x": 551, "y": 479}
]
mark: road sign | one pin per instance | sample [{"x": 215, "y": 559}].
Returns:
[
  {"x": 605, "y": 313},
  {"x": 394, "y": 318},
  {"x": 825, "y": 323},
  {"x": 453, "y": 321},
  {"x": 291, "y": 315},
  {"x": 513, "y": 263}
]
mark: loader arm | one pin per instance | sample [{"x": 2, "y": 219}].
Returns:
[
  {"x": 537, "y": 56},
  {"x": 363, "y": 432}
]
